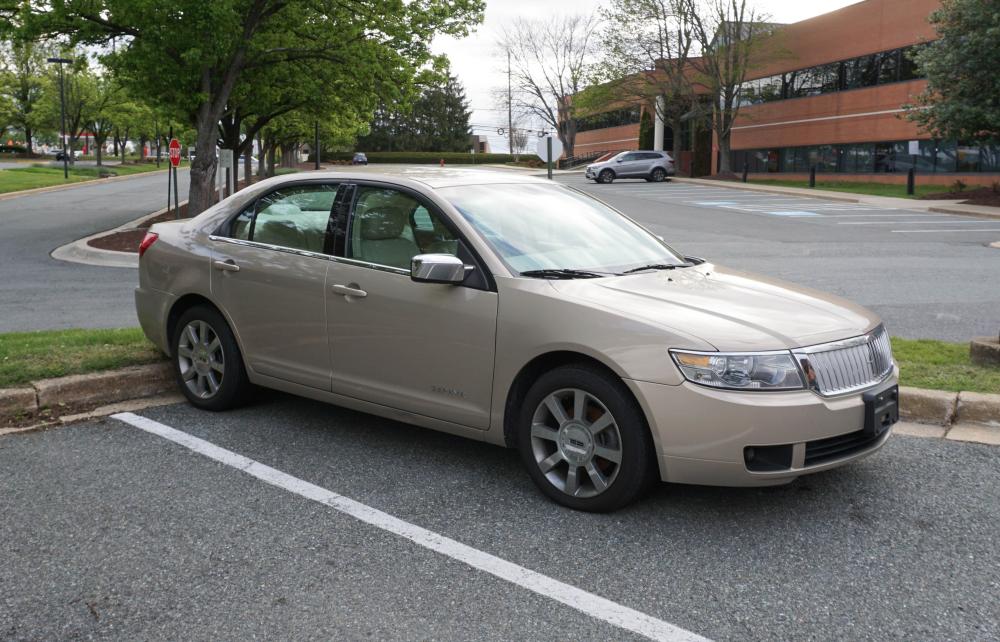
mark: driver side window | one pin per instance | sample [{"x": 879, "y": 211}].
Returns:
[{"x": 390, "y": 227}]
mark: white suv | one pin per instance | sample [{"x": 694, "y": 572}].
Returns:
[{"x": 650, "y": 165}]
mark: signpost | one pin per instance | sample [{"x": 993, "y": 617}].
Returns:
[
  {"x": 174, "y": 151},
  {"x": 549, "y": 149},
  {"x": 225, "y": 163}
]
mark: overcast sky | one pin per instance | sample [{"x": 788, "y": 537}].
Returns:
[{"x": 474, "y": 59}]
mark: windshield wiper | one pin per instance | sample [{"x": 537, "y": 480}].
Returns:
[
  {"x": 562, "y": 273},
  {"x": 658, "y": 266}
]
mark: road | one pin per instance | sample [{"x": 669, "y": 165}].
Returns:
[
  {"x": 928, "y": 275},
  {"x": 39, "y": 292},
  {"x": 114, "y": 532}
]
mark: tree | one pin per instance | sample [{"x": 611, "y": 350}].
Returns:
[
  {"x": 437, "y": 121},
  {"x": 646, "y": 131},
  {"x": 549, "y": 64},
  {"x": 962, "y": 99},
  {"x": 190, "y": 55},
  {"x": 80, "y": 85},
  {"x": 729, "y": 34},
  {"x": 107, "y": 96},
  {"x": 22, "y": 65},
  {"x": 647, "y": 46}
]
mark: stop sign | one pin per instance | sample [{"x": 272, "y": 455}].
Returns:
[{"x": 175, "y": 152}]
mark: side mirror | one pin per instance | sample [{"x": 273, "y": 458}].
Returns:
[
  {"x": 618, "y": 160},
  {"x": 438, "y": 268}
]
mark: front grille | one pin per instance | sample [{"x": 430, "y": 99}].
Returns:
[
  {"x": 846, "y": 366},
  {"x": 824, "y": 450}
]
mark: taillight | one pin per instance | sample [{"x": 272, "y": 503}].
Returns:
[{"x": 147, "y": 242}]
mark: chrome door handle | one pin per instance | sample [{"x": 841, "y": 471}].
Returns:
[
  {"x": 347, "y": 290},
  {"x": 226, "y": 266}
]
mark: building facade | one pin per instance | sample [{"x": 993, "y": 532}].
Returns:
[{"x": 829, "y": 93}]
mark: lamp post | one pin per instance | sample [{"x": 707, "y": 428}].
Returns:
[{"x": 62, "y": 110}]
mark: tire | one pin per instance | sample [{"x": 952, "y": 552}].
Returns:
[
  {"x": 551, "y": 447},
  {"x": 606, "y": 176},
  {"x": 210, "y": 373},
  {"x": 658, "y": 175}
]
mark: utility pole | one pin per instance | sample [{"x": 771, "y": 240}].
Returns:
[
  {"x": 316, "y": 145},
  {"x": 62, "y": 109},
  {"x": 510, "y": 111}
]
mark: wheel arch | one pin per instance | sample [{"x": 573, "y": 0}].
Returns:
[
  {"x": 185, "y": 303},
  {"x": 538, "y": 366}
]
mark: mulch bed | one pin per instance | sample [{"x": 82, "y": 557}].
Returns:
[
  {"x": 980, "y": 196},
  {"x": 128, "y": 240}
]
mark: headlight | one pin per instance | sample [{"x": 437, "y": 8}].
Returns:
[{"x": 740, "y": 371}]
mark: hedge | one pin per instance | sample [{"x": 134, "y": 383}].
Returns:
[
  {"x": 13, "y": 149},
  {"x": 421, "y": 158}
]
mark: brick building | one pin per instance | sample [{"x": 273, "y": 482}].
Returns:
[{"x": 830, "y": 93}]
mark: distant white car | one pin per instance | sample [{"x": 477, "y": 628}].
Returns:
[{"x": 651, "y": 165}]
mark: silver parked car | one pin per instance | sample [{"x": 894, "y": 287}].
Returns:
[
  {"x": 650, "y": 165},
  {"x": 519, "y": 312}
]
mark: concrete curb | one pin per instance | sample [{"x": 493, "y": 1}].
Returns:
[
  {"x": 94, "y": 389},
  {"x": 59, "y": 188},
  {"x": 967, "y": 211},
  {"x": 80, "y": 252}
]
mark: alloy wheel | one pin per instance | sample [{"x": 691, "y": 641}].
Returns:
[
  {"x": 200, "y": 359},
  {"x": 576, "y": 442}
]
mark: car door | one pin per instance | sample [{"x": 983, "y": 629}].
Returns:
[
  {"x": 269, "y": 275},
  {"x": 419, "y": 347},
  {"x": 628, "y": 165}
]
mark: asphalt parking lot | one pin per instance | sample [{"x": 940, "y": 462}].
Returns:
[
  {"x": 928, "y": 275},
  {"x": 112, "y": 531}
]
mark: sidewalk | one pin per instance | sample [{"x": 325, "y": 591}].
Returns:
[{"x": 939, "y": 207}]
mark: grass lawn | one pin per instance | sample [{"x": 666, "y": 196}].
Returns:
[
  {"x": 943, "y": 366},
  {"x": 29, "y": 356},
  {"x": 871, "y": 189},
  {"x": 21, "y": 178}
]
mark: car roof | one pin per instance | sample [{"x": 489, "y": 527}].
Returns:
[{"x": 433, "y": 177}]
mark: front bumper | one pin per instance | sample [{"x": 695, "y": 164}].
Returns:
[
  {"x": 590, "y": 174},
  {"x": 701, "y": 434}
]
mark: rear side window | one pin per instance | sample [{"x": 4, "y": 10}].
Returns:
[{"x": 295, "y": 217}]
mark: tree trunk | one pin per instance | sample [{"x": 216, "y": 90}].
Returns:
[
  {"x": 271, "y": 148},
  {"x": 677, "y": 142},
  {"x": 261, "y": 167},
  {"x": 114, "y": 142},
  {"x": 724, "y": 155},
  {"x": 28, "y": 141},
  {"x": 286, "y": 155},
  {"x": 98, "y": 150},
  {"x": 142, "y": 147},
  {"x": 248, "y": 165},
  {"x": 201, "y": 193}
]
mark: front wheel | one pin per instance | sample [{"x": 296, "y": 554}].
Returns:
[
  {"x": 658, "y": 175},
  {"x": 606, "y": 176},
  {"x": 207, "y": 361},
  {"x": 584, "y": 441}
]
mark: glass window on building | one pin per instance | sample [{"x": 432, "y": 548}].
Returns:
[
  {"x": 967, "y": 158},
  {"x": 770, "y": 89},
  {"x": 859, "y": 158},
  {"x": 885, "y": 158},
  {"x": 826, "y": 159},
  {"x": 903, "y": 159},
  {"x": 908, "y": 68},
  {"x": 990, "y": 159},
  {"x": 888, "y": 67},
  {"x": 945, "y": 157},
  {"x": 925, "y": 156},
  {"x": 861, "y": 72}
]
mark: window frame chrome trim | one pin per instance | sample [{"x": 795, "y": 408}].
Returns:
[{"x": 308, "y": 254}]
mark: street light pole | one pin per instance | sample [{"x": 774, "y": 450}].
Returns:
[{"x": 62, "y": 110}]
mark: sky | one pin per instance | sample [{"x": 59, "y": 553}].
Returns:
[{"x": 475, "y": 61}]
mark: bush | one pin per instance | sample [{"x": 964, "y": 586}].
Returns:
[
  {"x": 958, "y": 186},
  {"x": 424, "y": 158},
  {"x": 13, "y": 149}
]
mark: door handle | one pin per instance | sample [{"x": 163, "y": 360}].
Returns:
[
  {"x": 347, "y": 290},
  {"x": 226, "y": 266}
]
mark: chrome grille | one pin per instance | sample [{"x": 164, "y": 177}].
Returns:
[{"x": 845, "y": 366}]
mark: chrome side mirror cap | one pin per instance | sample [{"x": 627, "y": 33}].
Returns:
[{"x": 438, "y": 268}]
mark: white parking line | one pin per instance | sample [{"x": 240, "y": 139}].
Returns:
[
  {"x": 587, "y": 603},
  {"x": 992, "y": 229}
]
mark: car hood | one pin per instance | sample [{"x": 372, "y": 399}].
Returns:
[{"x": 731, "y": 310}]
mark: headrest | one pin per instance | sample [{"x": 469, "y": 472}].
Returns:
[
  {"x": 282, "y": 210},
  {"x": 382, "y": 222}
]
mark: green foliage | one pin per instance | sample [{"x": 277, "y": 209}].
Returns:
[
  {"x": 425, "y": 158},
  {"x": 438, "y": 121},
  {"x": 13, "y": 149},
  {"x": 962, "y": 100},
  {"x": 646, "y": 130}
]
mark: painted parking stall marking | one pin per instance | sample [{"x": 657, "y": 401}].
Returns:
[{"x": 587, "y": 603}]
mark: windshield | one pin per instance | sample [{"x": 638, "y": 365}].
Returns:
[{"x": 551, "y": 227}]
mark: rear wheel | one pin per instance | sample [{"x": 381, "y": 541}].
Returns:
[
  {"x": 606, "y": 176},
  {"x": 584, "y": 441},
  {"x": 658, "y": 175},
  {"x": 207, "y": 361}
]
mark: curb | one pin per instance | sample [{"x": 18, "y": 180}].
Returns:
[
  {"x": 58, "y": 188},
  {"x": 750, "y": 187},
  {"x": 965, "y": 212},
  {"x": 79, "y": 251},
  {"x": 98, "y": 388}
]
